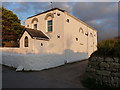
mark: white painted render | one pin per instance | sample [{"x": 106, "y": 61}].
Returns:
[
  {"x": 68, "y": 32},
  {"x": 55, "y": 51},
  {"x": 39, "y": 61}
]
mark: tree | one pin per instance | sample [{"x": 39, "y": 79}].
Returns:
[{"x": 11, "y": 27}]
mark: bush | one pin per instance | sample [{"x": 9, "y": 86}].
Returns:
[{"x": 108, "y": 48}]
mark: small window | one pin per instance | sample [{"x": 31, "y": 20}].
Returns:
[
  {"x": 35, "y": 26},
  {"x": 26, "y": 42},
  {"x": 50, "y": 26},
  {"x": 58, "y": 36},
  {"x": 68, "y": 20},
  {"x": 86, "y": 33},
  {"x": 91, "y": 34},
  {"x": 76, "y": 39},
  {"x": 81, "y": 30},
  {"x": 41, "y": 44},
  {"x": 58, "y": 14}
]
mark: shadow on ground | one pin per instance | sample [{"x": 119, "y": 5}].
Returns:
[{"x": 66, "y": 76}]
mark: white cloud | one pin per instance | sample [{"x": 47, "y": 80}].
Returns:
[{"x": 101, "y": 16}]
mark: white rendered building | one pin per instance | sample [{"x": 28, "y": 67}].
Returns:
[
  {"x": 51, "y": 39},
  {"x": 55, "y": 31}
]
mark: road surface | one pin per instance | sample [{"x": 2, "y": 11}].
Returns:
[{"x": 66, "y": 76}]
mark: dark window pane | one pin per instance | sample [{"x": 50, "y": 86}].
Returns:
[
  {"x": 50, "y": 29},
  {"x": 41, "y": 44},
  {"x": 58, "y": 36},
  {"x": 50, "y": 26},
  {"x": 49, "y": 22},
  {"x": 67, "y": 20},
  {"x": 76, "y": 39},
  {"x": 35, "y": 26},
  {"x": 58, "y": 14},
  {"x": 26, "y": 41}
]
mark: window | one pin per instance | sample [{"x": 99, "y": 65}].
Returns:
[
  {"x": 67, "y": 20},
  {"x": 50, "y": 26},
  {"x": 26, "y": 41},
  {"x": 91, "y": 34},
  {"x": 81, "y": 30},
  {"x": 35, "y": 26},
  {"x": 41, "y": 44},
  {"x": 86, "y": 33},
  {"x": 34, "y": 20},
  {"x": 58, "y": 36},
  {"x": 76, "y": 39},
  {"x": 58, "y": 14}
]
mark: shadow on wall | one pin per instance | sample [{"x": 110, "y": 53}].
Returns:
[
  {"x": 40, "y": 61},
  {"x": 71, "y": 56},
  {"x": 69, "y": 41}
]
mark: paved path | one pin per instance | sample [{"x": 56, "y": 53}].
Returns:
[{"x": 67, "y": 76}]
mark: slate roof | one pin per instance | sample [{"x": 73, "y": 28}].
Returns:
[{"x": 35, "y": 34}]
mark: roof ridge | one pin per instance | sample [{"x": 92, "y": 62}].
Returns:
[
  {"x": 36, "y": 33},
  {"x": 47, "y": 11}
]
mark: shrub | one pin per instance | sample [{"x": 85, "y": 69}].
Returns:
[{"x": 108, "y": 48}]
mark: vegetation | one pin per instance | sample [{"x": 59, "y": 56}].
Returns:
[
  {"x": 106, "y": 48},
  {"x": 109, "y": 47},
  {"x": 11, "y": 27},
  {"x": 90, "y": 83}
]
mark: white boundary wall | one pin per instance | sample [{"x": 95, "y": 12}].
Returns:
[{"x": 40, "y": 61}]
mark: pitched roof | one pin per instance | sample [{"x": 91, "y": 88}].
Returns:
[
  {"x": 36, "y": 34},
  {"x": 67, "y": 14},
  {"x": 48, "y": 11}
]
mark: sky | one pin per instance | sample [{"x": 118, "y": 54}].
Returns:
[{"x": 102, "y": 16}]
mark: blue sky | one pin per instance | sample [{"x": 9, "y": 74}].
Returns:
[{"x": 103, "y": 16}]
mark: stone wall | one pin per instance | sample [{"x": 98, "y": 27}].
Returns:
[{"x": 104, "y": 70}]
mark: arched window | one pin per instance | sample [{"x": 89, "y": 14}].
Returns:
[
  {"x": 34, "y": 23},
  {"x": 91, "y": 34},
  {"x": 49, "y": 18},
  {"x": 49, "y": 15},
  {"x": 50, "y": 26},
  {"x": 81, "y": 30},
  {"x": 34, "y": 19},
  {"x": 26, "y": 41}
]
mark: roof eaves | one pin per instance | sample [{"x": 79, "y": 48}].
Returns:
[
  {"x": 81, "y": 22},
  {"x": 46, "y": 39},
  {"x": 29, "y": 33},
  {"x": 47, "y": 11}
]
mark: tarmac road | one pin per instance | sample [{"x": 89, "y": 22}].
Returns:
[{"x": 66, "y": 76}]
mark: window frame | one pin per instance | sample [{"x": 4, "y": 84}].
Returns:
[
  {"x": 35, "y": 26},
  {"x": 50, "y": 26},
  {"x": 81, "y": 30},
  {"x": 26, "y": 42}
]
